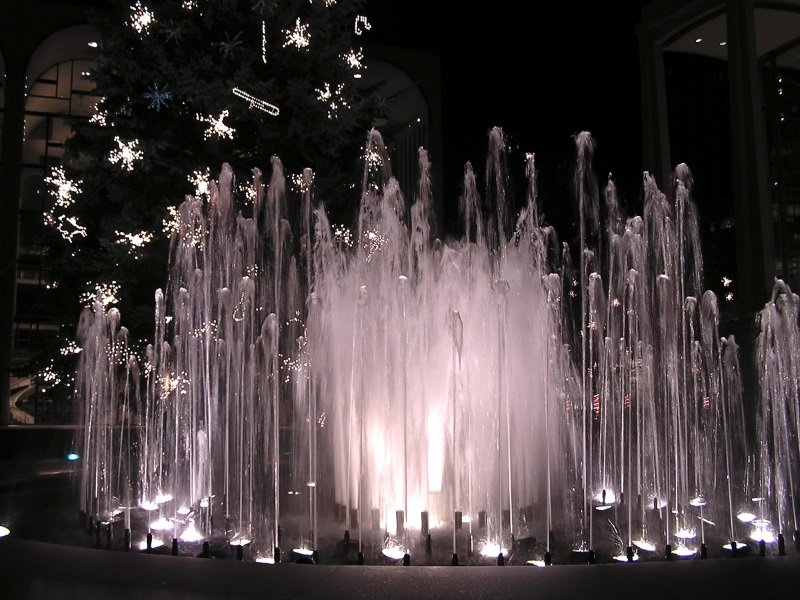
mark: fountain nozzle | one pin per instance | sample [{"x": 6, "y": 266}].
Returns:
[
  {"x": 501, "y": 560},
  {"x": 454, "y": 560},
  {"x": 406, "y": 560},
  {"x": 781, "y": 545}
]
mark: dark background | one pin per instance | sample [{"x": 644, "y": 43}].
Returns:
[{"x": 543, "y": 72}]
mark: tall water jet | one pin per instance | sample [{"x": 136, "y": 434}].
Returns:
[{"x": 397, "y": 382}]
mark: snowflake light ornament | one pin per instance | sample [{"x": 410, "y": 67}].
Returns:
[
  {"x": 355, "y": 60},
  {"x": 106, "y": 293},
  {"x": 134, "y": 241},
  {"x": 201, "y": 180},
  {"x": 299, "y": 37},
  {"x": 62, "y": 188},
  {"x": 126, "y": 154},
  {"x": 216, "y": 126},
  {"x": 334, "y": 98},
  {"x": 158, "y": 98},
  {"x": 141, "y": 18}
]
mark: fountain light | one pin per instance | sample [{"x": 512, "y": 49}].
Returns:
[
  {"x": 148, "y": 505},
  {"x": 492, "y": 549},
  {"x": 265, "y": 560},
  {"x": 4, "y": 531},
  {"x": 72, "y": 456},
  {"x": 605, "y": 499},
  {"x": 161, "y": 524},
  {"x": 184, "y": 510},
  {"x": 240, "y": 541},
  {"x": 155, "y": 543},
  {"x": 393, "y": 551},
  {"x": 645, "y": 545},
  {"x": 304, "y": 551},
  {"x": 698, "y": 501},
  {"x": 686, "y": 533},
  {"x": 739, "y": 546},
  {"x": 759, "y": 534},
  {"x": 536, "y": 563},
  {"x": 624, "y": 557},
  {"x": 746, "y": 517},
  {"x": 204, "y": 502},
  {"x": 682, "y": 551},
  {"x": 163, "y": 498},
  {"x": 191, "y": 534}
]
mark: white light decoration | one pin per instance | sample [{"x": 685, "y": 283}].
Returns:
[
  {"x": 328, "y": 3},
  {"x": 68, "y": 227},
  {"x": 726, "y": 281},
  {"x": 343, "y": 235},
  {"x": 249, "y": 193},
  {"x": 257, "y": 103},
  {"x": 99, "y": 118},
  {"x": 126, "y": 154},
  {"x": 201, "y": 180},
  {"x": 134, "y": 241},
  {"x": 62, "y": 189},
  {"x": 49, "y": 376},
  {"x": 106, "y": 293},
  {"x": 333, "y": 98},
  {"x": 216, "y": 126},
  {"x": 171, "y": 225},
  {"x": 264, "y": 42},
  {"x": 362, "y": 20},
  {"x": 299, "y": 184},
  {"x": 70, "y": 348},
  {"x": 141, "y": 18},
  {"x": 189, "y": 4},
  {"x": 299, "y": 37},
  {"x": 354, "y": 59}
]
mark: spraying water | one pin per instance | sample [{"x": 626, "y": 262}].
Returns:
[{"x": 404, "y": 385}]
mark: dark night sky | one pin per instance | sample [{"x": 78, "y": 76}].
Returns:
[{"x": 542, "y": 71}]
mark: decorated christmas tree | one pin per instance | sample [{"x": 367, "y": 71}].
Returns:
[{"x": 185, "y": 86}]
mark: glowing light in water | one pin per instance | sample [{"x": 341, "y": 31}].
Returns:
[
  {"x": 624, "y": 557},
  {"x": 163, "y": 498},
  {"x": 156, "y": 543},
  {"x": 72, "y": 456},
  {"x": 4, "y": 531},
  {"x": 760, "y": 533},
  {"x": 698, "y": 501},
  {"x": 739, "y": 545},
  {"x": 191, "y": 534},
  {"x": 645, "y": 545},
  {"x": 303, "y": 551},
  {"x": 184, "y": 510},
  {"x": 536, "y": 563},
  {"x": 266, "y": 560},
  {"x": 148, "y": 505},
  {"x": 746, "y": 517},
  {"x": 683, "y": 551},
  {"x": 394, "y": 552},
  {"x": 161, "y": 524},
  {"x": 492, "y": 549},
  {"x": 240, "y": 541},
  {"x": 685, "y": 533}
]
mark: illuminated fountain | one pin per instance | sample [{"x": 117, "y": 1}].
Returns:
[{"x": 486, "y": 390}]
